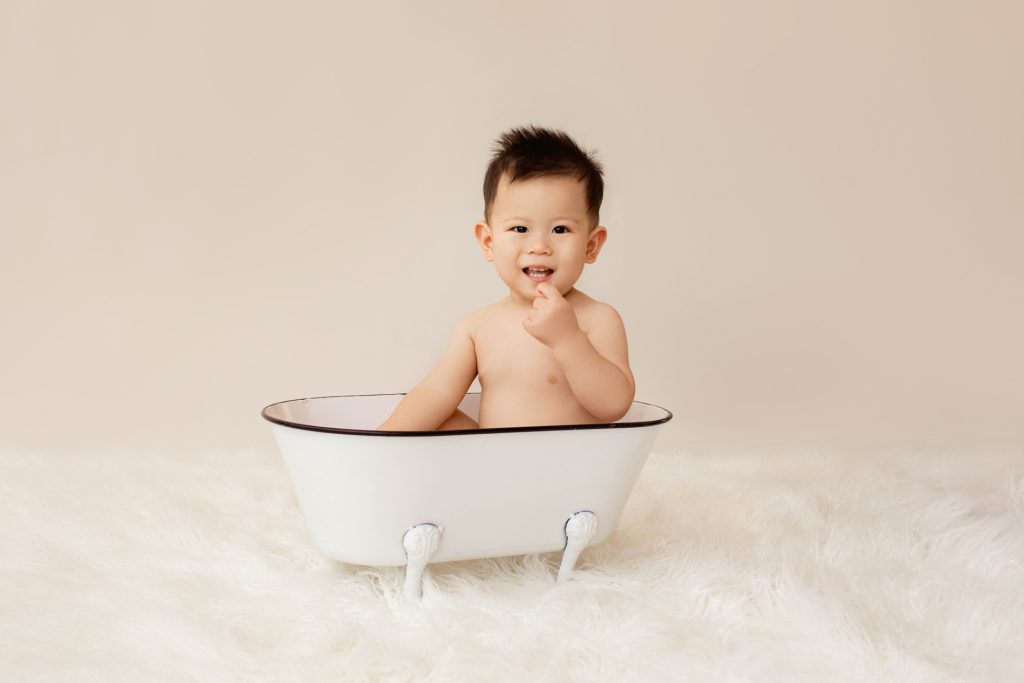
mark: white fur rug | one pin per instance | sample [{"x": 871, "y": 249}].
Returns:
[{"x": 763, "y": 567}]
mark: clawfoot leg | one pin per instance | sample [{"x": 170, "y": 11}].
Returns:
[
  {"x": 420, "y": 543},
  {"x": 579, "y": 530}
]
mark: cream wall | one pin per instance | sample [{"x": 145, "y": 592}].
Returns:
[{"x": 815, "y": 209}]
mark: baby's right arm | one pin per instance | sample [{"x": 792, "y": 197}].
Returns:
[{"x": 434, "y": 399}]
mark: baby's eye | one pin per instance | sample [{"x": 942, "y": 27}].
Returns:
[
  {"x": 520, "y": 228},
  {"x": 559, "y": 229}
]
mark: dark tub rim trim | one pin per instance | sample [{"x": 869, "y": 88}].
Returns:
[{"x": 453, "y": 432}]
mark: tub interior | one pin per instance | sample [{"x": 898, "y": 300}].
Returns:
[{"x": 365, "y": 413}]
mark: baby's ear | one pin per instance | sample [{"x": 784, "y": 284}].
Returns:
[
  {"x": 595, "y": 241},
  {"x": 483, "y": 236}
]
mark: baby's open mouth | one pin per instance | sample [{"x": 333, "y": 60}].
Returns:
[{"x": 538, "y": 274}]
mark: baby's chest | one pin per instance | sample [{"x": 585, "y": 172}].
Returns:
[{"x": 507, "y": 354}]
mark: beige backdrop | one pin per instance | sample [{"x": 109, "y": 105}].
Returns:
[{"x": 815, "y": 209}]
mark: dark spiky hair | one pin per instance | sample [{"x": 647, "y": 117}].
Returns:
[{"x": 532, "y": 152}]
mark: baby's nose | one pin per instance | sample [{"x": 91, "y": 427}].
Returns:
[{"x": 539, "y": 245}]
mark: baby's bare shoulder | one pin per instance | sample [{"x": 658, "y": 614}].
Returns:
[
  {"x": 480, "y": 320},
  {"x": 596, "y": 315}
]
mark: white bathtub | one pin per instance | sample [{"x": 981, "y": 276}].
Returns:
[{"x": 409, "y": 498}]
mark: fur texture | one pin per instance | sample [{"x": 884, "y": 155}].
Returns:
[{"x": 893, "y": 566}]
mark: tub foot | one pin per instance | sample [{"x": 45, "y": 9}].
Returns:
[
  {"x": 420, "y": 543},
  {"x": 579, "y": 530}
]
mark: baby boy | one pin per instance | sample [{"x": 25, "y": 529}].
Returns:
[{"x": 547, "y": 354}]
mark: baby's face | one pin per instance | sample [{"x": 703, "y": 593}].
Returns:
[{"x": 539, "y": 231}]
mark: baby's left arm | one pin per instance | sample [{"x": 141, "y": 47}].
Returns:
[{"x": 596, "y": 363}]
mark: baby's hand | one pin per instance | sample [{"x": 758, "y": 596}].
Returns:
[{"x": 551, "y": 320}]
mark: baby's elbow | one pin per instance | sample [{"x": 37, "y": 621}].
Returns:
[
  {"x": 626, "y": 404},
  {"x": 609, "y": 416},
  {"x": 616, "y": 412}
]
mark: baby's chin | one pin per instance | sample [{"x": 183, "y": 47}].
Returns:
[{"x": 563, "y": 289}]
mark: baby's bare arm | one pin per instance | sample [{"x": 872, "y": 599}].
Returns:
[
  {"x": 433, "y": 400},
  {"x": 596, "y": 365}
]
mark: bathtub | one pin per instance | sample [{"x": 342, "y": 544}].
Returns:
[{"x": 410, "y": 498}]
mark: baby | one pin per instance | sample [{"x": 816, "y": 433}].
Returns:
[{"x": 547, "y": 354}]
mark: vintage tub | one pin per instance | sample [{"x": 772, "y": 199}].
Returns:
[{"x": 409, "y": 498}]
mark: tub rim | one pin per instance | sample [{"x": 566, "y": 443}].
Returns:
[{"x": 453, "y": 432}]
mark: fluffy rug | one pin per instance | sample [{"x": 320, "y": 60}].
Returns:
[{"x": 890, "y": 566}]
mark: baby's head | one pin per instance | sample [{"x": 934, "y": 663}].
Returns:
[
  {"x": 532, "y": 152},
  {"x": 542, "y": 198}
]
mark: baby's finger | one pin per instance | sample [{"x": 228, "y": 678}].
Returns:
[{"x": 549, "y": 291}]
